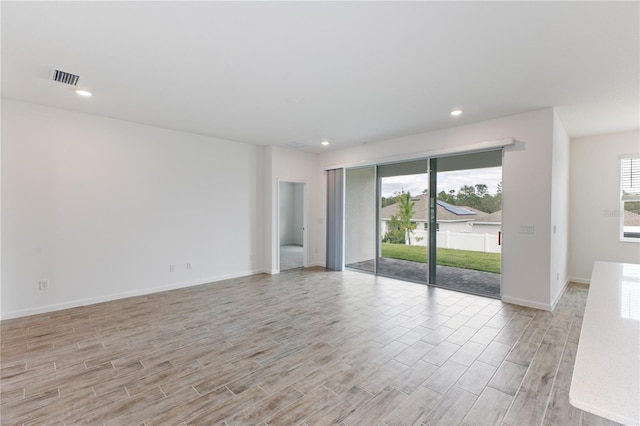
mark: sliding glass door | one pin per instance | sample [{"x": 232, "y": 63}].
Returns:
[
  {"x": 403, "y": 221},
  {"x": 433, "y": 221},
  {"x": 468, "y": 225}
]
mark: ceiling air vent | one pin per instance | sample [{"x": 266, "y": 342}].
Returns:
[
  {"x": 296, "y": 145},
  {"x": 64, "y": 77}
]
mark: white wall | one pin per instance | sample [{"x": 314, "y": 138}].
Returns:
[
  {"x": 294, "y": 166},
  {"x": 595, "y": 202},
  {"x": 101, "y": 207},
  {"x": 560, "y": 163},
  {"x": 291, "y": 213},
  {"x": 527, "y": 182}
]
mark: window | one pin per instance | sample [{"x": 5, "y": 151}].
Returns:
[{"x": 630, "y": 198}]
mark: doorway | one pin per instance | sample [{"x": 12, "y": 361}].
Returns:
[{"x": 291, "y": 225}]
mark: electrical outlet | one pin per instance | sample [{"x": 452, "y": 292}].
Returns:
[
  {"x": 172, "y": 268},
  {"x": 189, "y": 265},
  {"x": 43, "y": 285}
]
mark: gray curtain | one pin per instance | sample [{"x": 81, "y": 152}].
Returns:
[{"x": 335, "y": 218}]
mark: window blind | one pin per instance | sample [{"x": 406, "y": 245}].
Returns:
[
  {"x": 630, "y": 169},
  {"x": 335, "y": 219}
]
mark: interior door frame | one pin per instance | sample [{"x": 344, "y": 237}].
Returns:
[{"x": 305, "y": 239}]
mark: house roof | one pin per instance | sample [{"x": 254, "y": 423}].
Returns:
[
  {"x": 495, "y": 217},
  {"x": 444, "y": 211}
]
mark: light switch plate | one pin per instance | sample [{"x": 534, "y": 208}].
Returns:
[{"x": 527, "y": 229}]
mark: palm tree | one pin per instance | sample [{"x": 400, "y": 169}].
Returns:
[{"x": 405, "y": 214}]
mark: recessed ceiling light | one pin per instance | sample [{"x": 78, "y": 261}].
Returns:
[
  {"x": 325, "y": 143},
  {"x": 83, "y": 93},
  {"x": 456, "y": 112}
]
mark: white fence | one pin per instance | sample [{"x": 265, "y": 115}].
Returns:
[
  {"x": 459, "y": 240},
  {"x": 469, "y": 241}
]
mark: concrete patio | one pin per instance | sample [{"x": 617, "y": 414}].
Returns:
[{"x": 459, "y": 279}]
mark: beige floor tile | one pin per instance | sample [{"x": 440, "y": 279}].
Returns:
[
  {"x": 414, "y": 409},
  {"x": 409, "y": 380},
  {"x": 306, "y": 346},
  {"x": 489, "y": 408},
  {"x": 452, "y": 408},
  {"x": 476, "y": 377},
  {"x": 375, "y": 409},
  {"x": 560, "y": 411},
  {"x": 468, "y": 353},
  {"x": 304, "y": 407},
  {"x": 495, "y": 353},
  {"x": 445, "y": 377},
  {"x": 508, "y": 378}
]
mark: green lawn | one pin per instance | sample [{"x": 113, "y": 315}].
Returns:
[{"x": 489, "y": 262}]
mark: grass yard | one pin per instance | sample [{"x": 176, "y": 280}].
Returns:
[{"x": 477, "y": 260}]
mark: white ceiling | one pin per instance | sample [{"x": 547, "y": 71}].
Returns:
[{"x": 282, "y": 72}]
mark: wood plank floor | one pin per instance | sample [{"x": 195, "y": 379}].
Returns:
[{"x": 307, "y": 347}]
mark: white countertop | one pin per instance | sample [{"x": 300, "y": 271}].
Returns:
[{"x": 606, "y": 375}]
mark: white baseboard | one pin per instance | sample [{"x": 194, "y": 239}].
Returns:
[
  {"x": 543, "y": 306},
  {"x": 124, "y": 295},
  {"x": 312, "y": 264},
  {"x": 579, "y": 280},
  {"x": 527, "y": 303},
  {"x": 559, "y": 295}
]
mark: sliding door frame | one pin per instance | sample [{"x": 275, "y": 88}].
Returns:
[
  {"x": 431, "y": 157},
  {"x": 434, "y": 169},
  {"x": 433, "y": 219}
]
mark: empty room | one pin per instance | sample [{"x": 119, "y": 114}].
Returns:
[{"x": 310, "y": 213}]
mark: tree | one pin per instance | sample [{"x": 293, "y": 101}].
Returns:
[
  {"x": 394, "y": 234},
  {"x": 476, "y": 196},
  {"x": 387, "y": 201},
  {"x": 467, "y": 196},
  {"x": 447, "y": 198},
  {"x": 481, "y": 189},
  {"x": 405, "y": 213}
]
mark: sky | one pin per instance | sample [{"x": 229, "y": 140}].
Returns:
[{"x": 415, "y": 184}]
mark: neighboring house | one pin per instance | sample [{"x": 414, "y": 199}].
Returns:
[
  {"x": 488, "y": 223},
  {"x": 451, "y": 220}
]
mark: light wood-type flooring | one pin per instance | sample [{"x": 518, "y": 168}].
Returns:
[{"x": 310, "y": 347}]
